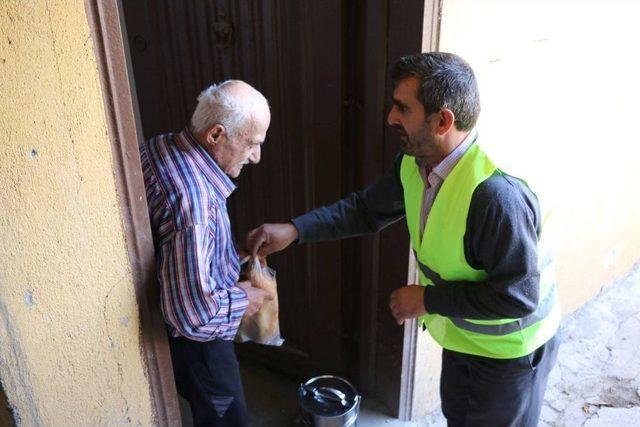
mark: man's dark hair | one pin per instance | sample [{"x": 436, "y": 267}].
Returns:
[{"x": 445, "y": 81}]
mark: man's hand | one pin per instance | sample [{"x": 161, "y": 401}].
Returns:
[
  {"x": 407, "y": 302},
  {"x": 256, "y": 297},
  {"x": 270, "y": 238}
]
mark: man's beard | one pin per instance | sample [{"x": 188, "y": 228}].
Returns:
[
  {"x": 416, "y": 145},
  {"x": 404, "y": 138}
]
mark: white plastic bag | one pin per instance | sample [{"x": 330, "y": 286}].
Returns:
[{"x": 263, "y": 327}]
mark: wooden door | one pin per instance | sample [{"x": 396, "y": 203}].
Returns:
[{"x": 292, "y": 51}]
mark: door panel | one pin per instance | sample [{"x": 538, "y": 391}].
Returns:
[{"x": 178, "y": 49}]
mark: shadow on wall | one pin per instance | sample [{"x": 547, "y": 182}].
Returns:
[{"x": 6, "y": 417}]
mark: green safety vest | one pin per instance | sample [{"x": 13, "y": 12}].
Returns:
[{"x": 440, "y": 256}]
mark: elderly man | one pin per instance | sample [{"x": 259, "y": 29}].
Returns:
[
  {"x": 485, "y": 297},
  {"x": 188, "y": 179}
]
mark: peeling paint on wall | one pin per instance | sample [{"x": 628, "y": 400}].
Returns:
[
  {"x": 28, "y": 298},
  {"x": 612, "y": 255}
]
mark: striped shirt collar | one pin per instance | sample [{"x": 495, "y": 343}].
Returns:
[
  {"x": 444, "y": 168},
  {"x": 221, "y": 183}
]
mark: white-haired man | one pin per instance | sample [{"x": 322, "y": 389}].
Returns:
[{"x": 187, "y": 179}]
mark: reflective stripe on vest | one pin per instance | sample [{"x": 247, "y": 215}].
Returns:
[
  {"x": 441, "y": 256},
  {"x": 544, "y": 309}
]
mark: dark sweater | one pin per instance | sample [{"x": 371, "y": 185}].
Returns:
[{"x": 503, "y": 226}]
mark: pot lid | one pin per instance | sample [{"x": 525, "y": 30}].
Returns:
[{"x": 328, "y": 396}]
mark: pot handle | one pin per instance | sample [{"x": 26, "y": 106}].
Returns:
[{"x": 327, "y": 393}]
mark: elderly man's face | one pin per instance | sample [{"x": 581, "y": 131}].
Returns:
[{"x": 233, "y": 153}]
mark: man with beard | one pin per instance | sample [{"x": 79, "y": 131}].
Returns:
[{"x": 487, "y": 294}]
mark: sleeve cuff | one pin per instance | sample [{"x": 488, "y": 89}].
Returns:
[
  {"x": 433, "y": 300},
  {"x": 303, "y": 224}
]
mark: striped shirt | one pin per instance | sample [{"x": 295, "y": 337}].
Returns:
[
  {"x": 197, "y": 263},
  {"x": 433, "y": 178}
]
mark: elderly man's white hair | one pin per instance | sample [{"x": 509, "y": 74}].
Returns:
[{"x": 230, "y": 103}]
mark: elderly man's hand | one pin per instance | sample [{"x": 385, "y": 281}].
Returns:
[
  {"x": 270, "y": 238},
  {"x": 407, "y": 302},
  {"x": 257, "y": 297}
]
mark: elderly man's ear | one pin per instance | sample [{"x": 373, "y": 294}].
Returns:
[{"x": 215, "y": 134}]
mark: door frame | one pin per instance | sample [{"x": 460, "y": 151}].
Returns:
[
  {"x": 106, "y": 24},
  {"x": 386, "y": 30},
  {"x": 430, "y": 42}
]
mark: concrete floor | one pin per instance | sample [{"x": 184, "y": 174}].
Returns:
[{"x": 596, "y": 382}]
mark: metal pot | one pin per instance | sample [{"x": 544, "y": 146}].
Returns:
[{"x": 329, "y": 401}]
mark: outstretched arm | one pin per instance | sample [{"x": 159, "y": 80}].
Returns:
[{"x": 361, "y": 212}]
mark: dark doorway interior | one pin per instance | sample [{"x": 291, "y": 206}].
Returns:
[
  {"x": 323, "y": 68},
  {"x": 6, "y": 414}
]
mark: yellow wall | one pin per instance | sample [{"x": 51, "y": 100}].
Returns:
[
  {"x": 559, "y": 88},
  {"x": 70, "y": 350}
]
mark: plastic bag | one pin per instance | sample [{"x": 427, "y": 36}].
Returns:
[{"x": 263, "y": 327}]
